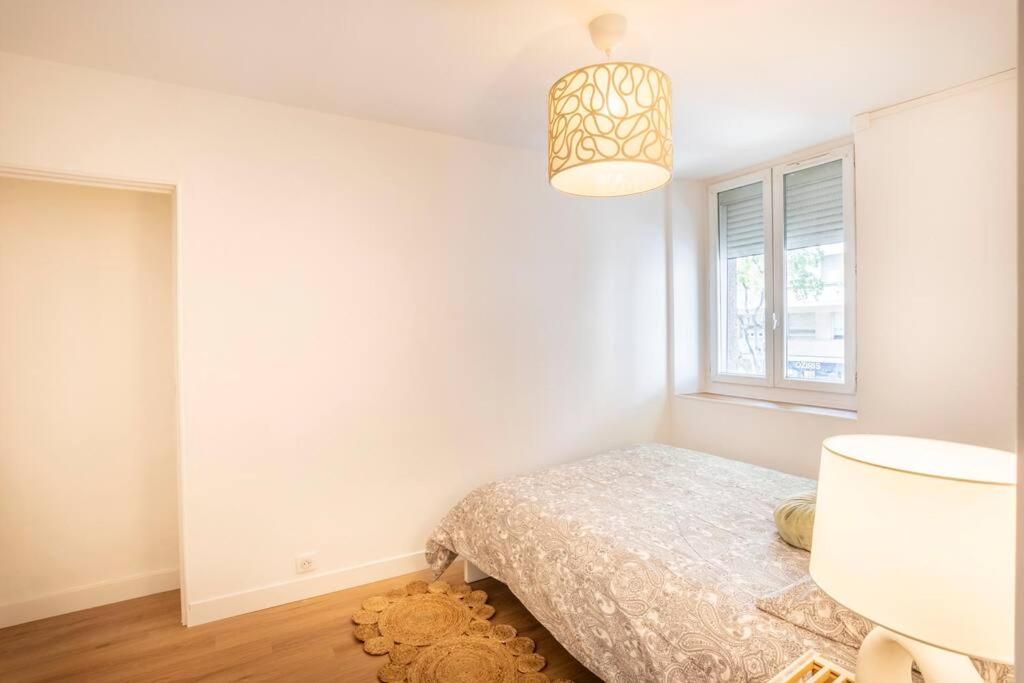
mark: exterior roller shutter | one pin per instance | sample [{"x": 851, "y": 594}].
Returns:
[
  {"x": 814, "y": 206},
  {"x": 741, "y": 220}
]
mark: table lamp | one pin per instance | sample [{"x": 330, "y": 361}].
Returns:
[{"x": 918, "y": 536}]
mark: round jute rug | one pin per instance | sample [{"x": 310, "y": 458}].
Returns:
[{"x": 439, "y": 633}]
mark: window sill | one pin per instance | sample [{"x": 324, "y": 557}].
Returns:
[{"x": 840, "y": 413}]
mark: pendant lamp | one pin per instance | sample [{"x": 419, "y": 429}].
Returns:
[{"x": 610, "y": 124}]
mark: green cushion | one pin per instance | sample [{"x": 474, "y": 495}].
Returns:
[{"x": 794, "y": 519}]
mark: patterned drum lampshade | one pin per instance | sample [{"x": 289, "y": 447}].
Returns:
[{"x": 610, "y": 130}]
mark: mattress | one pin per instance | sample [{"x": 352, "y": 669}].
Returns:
[{"x": 644, "y": 562}]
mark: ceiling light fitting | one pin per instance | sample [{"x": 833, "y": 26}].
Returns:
[{"x": 610, "y": 124}]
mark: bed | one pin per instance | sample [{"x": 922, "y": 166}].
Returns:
[{"x": 645, "y": 562}]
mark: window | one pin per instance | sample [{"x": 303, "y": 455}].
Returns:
[
  {"x": 742, "y": 236},
  {"x": 837, "y": 325},
  {"x": 782, "y": 280},
  {"x": 801, "y": 324}
]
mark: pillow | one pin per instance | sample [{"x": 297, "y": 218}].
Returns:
[
  {"x": 807, "y": 606},
  {"x": 794, "y": 518}
]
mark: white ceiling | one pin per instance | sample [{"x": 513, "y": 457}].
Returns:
[{"x": 752, "y": 79}]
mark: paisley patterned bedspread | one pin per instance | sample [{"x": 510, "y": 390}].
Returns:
[{"x": 645, "y": 562}]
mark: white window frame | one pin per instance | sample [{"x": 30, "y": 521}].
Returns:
[
  {"x": 717, "y": 338},
  {"x": 774, "y": 385}
]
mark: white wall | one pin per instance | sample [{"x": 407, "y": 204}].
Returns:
[
  {"x": 88, "y": 490},
  {"x": 936, "y": 303},
  {"x": 1019, "y": 650},
  {"x": 1019, "y": 655},
  {"x": 373, "y": 319},
  {"x": 687, "y": 215}
]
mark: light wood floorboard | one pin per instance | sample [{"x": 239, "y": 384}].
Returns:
[{"x": 309, "y": 640}]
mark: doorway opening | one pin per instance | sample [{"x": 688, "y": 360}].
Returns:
[{"x": 89, "y": 495}]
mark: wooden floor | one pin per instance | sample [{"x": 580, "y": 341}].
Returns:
[{"x": 309, "y": 640}]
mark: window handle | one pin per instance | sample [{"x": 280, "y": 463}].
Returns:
[{"x": 775, "y": 321}]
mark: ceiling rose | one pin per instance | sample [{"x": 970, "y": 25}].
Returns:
[{"x": 610, "y": 124}]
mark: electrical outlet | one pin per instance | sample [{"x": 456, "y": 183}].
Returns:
[{"x": 305, "y": 563}]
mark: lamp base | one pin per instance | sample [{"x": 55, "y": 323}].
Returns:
[{"x": 886, "y": 657}]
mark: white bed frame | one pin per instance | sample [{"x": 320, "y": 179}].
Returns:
[{"x": 472, "y": 572}]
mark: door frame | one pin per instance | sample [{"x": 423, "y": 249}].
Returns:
[{"x": 160, "y": 187}]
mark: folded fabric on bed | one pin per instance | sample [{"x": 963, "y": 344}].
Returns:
[
  {"x": 809, "y": 607},
  {"x": 645, "y": 562}
]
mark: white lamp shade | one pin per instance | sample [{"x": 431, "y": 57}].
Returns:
[
  {"x": 610, "y": 130},
  {"x": 918, "y": 536}
]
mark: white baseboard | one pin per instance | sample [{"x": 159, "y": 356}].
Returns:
[
  {"x": 92, "y": 595},
  {"x": 233, "y": 604}
]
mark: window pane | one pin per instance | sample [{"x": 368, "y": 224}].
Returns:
[
  {"x": 815, "y": 315},
  {"x": 742, "y": 281}
]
